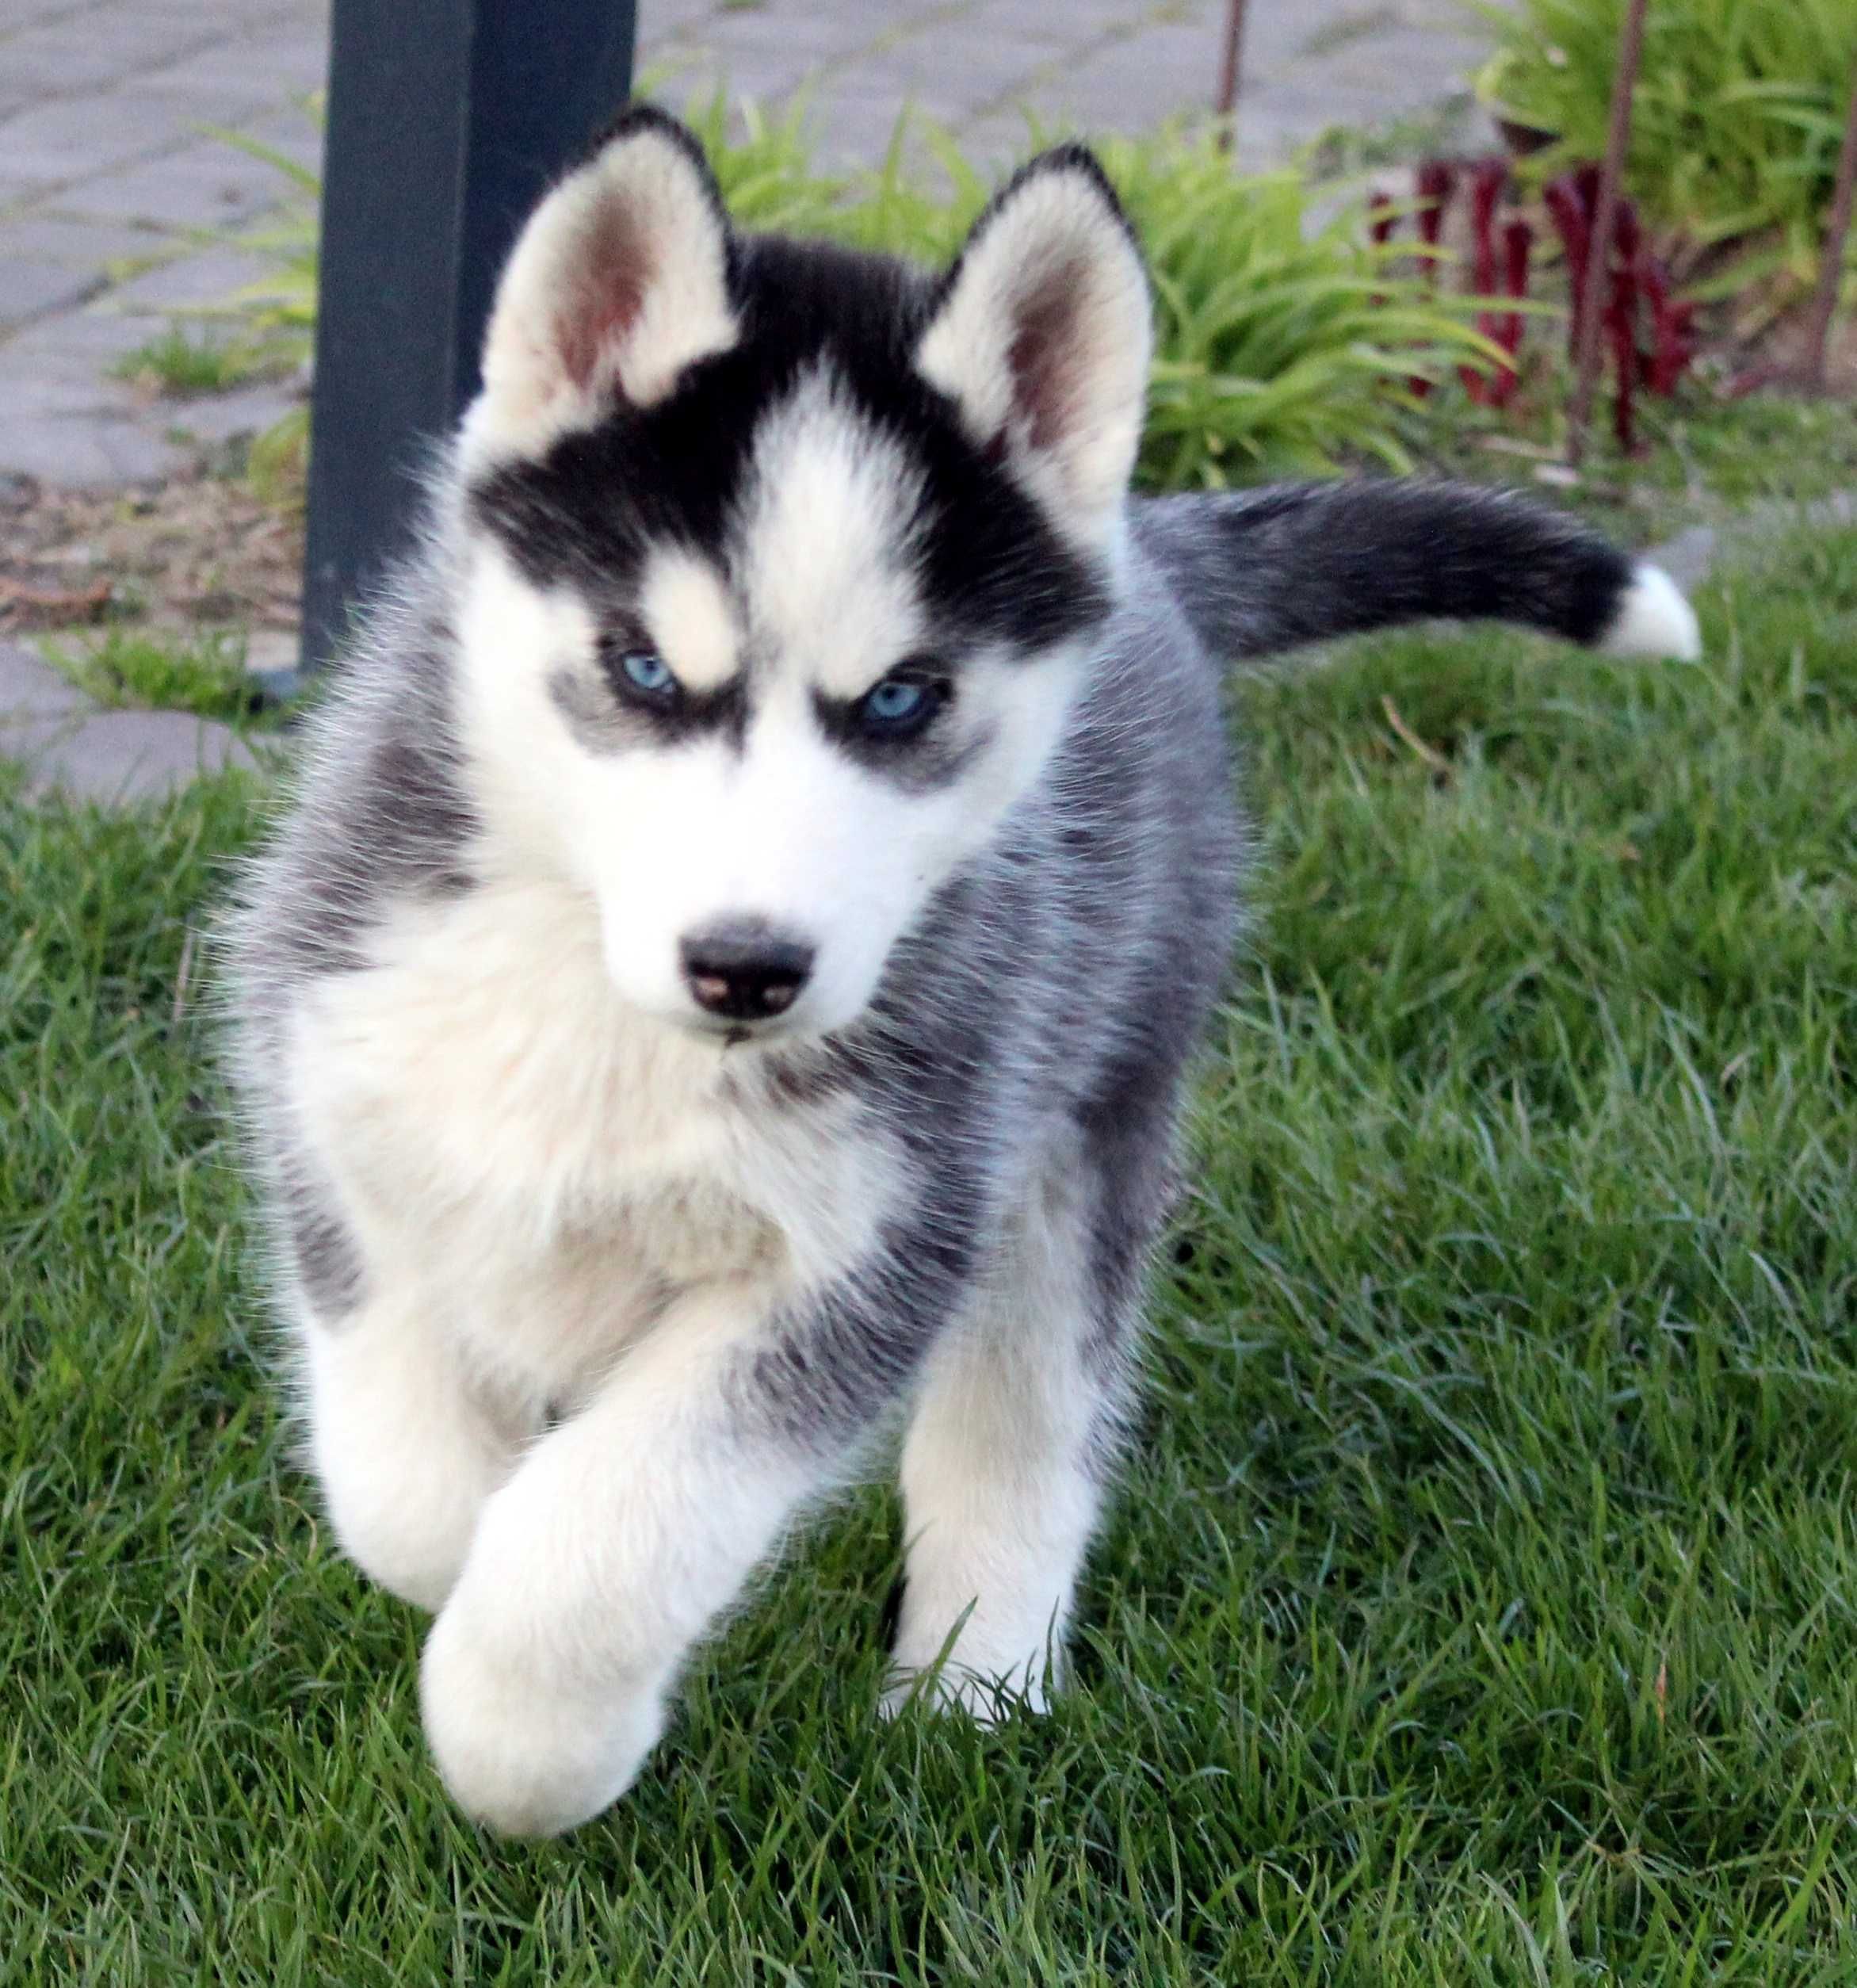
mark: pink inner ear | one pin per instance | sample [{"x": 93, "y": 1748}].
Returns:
[
  {"x": 604, "y": 295},
  {"x": 1043, "y": 359}
]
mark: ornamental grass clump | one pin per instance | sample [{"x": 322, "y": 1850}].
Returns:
[
  {"x": 1736, "y": 122},
  {"x": 1280, "y": 344}
]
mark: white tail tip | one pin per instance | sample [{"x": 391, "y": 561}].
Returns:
[{"x": 1653, "y": 619}]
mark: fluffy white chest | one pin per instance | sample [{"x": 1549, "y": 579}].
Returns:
[{"x": 551, "y": 1166}]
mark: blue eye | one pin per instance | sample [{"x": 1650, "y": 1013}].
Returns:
[
  {"x": 892, "y": 701},
  {"x": 900, "y": 706},
  {"x": 646, "y": 672}
]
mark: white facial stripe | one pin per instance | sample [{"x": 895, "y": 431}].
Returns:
[
  {"x": 691, "y": 619},
  {"x": 777, "y": 822},
  {"x": 826, "y": 553}
]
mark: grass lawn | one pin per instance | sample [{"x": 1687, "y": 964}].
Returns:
[{"x": 1482, "y": 1605}]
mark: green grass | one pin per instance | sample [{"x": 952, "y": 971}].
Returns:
[
  {"x": 1706, "y": 460},
  {"x": 1482, "y": 1603},
  {"x": 203, "y": 673},
  {"x": 182, "y": 367}
]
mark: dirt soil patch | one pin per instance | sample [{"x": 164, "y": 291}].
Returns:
[{"x": 198, "y": 550}]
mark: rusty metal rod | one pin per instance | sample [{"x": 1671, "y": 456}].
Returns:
[
  {"x": 1227, "y": 105},
  {"x": 1837, "y": 232},
  {"x": 1599, "y": 261}
]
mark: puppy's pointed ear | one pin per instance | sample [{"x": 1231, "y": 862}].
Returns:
[
  {"x": 617, "y": 285},
  {"x": 1042, "y": 338}
]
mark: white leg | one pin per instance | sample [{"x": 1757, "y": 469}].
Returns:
[
  {"x": 1001, "y": 1469},
  {"x": 405, "y": 1454},
  {"x": 623, "y": 1533}
]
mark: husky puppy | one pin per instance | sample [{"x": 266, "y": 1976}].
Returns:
[{"x": 723, "y": 987}]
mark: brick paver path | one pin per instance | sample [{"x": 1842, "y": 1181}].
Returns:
[{"x": 104, "y": 167}]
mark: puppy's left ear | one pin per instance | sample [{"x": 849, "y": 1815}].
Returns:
[{"x": 1042, "y": 338}]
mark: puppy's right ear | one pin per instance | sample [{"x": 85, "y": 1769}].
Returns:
[{"x": 617, "y": 285}]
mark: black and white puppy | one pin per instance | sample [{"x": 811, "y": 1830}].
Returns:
[{"x": 723, "y": 984}]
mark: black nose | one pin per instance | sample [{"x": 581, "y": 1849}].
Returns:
[{"x": 745, "y": 970}]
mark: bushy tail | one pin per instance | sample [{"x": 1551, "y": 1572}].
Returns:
[{"x": 1262, "y": 570}]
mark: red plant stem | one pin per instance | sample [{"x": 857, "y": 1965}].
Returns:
[
  {"x": 1621, "y": 323},
  {"x": 1573, "y": 224},
  {"x": 1380, "y": 229},
  {"x": 1631, "y": 42},
  {"x": 1227, "y": 102},
  {"x": 1673, "y": 326},
  {"x": 1831, "y": 275},
  {"x": 1517, "y": 239},
  {"x": 1488, "y": 178},
  {"x": 1653, "y": 286},
  {"x": 1436, "y": 178}
]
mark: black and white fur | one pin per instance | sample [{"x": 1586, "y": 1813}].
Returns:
[{"x": 602, "y": 1270}]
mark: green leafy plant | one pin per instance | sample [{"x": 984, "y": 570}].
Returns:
[
  {"x": 279, "y": 309},
  {"x": 1277, "y": 345},
  {"x": 1735, "y": 120},
  {"x": 277, "y": 313},
  {"x": 203, "y": 673},
  {"x": 180, "y": 366},
  {"x": 1280, "y": 344},
  {"x": 277, "y": 470}
]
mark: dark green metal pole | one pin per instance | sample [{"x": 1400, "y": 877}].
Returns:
[{"x": 446, "y": 120}]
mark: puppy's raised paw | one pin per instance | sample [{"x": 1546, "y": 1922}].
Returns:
[{"x": 528, "y": 1755}]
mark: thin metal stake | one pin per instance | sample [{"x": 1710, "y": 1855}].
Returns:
[
  {"x": 1837, "y": 230},
  {"x": 1599, "y": 261},
  {"x": 1227, "y": 105}
]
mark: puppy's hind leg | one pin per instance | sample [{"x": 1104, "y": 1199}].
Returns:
[{"x": 1004, "y": 1463}]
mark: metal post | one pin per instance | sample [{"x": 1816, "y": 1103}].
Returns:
[
  {"x": 1836, "y": 232},
  {"x": 1226, "y": 108},
  {"x": 446, "y": 120},
  {"x": 1599, "y": 260}
]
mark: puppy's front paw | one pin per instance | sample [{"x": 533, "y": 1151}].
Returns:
[
  {"x": 524, "y": 1752},
  {"x": 987, "y": 1663},
  {"x": 987, "y": 1700}
]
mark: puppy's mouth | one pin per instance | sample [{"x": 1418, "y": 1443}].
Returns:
[{"x": 728, "y": 1034}]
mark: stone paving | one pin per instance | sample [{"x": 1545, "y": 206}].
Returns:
[
  {"x": 119, "y": 204},
  {"x": 70, "y": 747}
]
